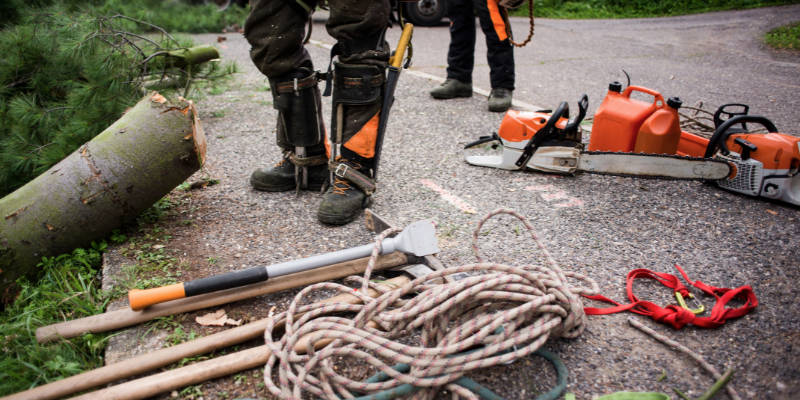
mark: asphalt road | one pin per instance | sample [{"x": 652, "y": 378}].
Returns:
[
  {"x": 595, "y": 225},
  {"x": 715, "y": 57}
]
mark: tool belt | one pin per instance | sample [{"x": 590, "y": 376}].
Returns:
[{"x": 352, "y": 175}]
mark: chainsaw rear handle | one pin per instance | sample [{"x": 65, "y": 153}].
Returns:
[
  {"x": 574, "y": 122},
  {"x": 721, "y": 110},
  {"x": 722, "y": 133},
  {"x": 542, "y": 134}
]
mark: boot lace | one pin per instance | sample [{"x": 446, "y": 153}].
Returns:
[
  {"x": 345, "y": 185},
  {"x": 340, "y": 189}
]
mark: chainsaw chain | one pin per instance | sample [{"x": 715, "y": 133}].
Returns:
[{"x": 663, "y": 178}]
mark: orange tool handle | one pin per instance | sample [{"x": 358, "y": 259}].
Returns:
[{"x": 141, "y": 299}]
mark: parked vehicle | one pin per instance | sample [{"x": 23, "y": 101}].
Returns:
[{"x": 425, "y": 12}]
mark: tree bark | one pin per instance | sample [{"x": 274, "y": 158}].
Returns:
[{"x": 108, "y": 182}]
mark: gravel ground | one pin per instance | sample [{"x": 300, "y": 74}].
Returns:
[{"x": 600, "y": 226}]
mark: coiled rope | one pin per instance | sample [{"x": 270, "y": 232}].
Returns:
[{"x": 508, "y": 312}]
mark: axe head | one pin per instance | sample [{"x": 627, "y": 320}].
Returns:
[{"x": 418, "y": 239}]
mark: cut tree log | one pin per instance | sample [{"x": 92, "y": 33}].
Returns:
[{"x": 108, "y": 182}]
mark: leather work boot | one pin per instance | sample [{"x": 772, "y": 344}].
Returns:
[
  {"x": 500, "y": 100},
  {"x": 452, "y": 88},
  {"x": 343, "y": 200},
  {"x": 280, "y": 178}
]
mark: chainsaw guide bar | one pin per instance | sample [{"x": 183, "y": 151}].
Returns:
[{"x": 659, "y": 166}]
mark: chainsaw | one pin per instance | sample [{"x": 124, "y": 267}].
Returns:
[
  {"x": 550, "y": 141},
  {"x": 766, "y": 164}
]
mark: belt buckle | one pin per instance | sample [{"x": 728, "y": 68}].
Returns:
[{"x": 343, "y": 173}]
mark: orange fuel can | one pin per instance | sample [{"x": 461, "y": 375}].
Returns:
[
  {"x": 618, "y": 120},
  {"x": 661, "y": 131}
]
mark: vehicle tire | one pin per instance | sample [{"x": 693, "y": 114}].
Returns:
[{"x": 424, "y": 12}]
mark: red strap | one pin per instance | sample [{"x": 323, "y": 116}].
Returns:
[{"x": 674, "y": 315}]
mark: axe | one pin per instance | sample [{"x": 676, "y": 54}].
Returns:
[{"x": 418, "y": 239}]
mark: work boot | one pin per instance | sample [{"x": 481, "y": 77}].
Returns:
[
  {"x": 344, "y": 200},
  {"x": 500, "y": 100},
  {"x": 281, "y": 178},
  {"x": 452, "y": 88}
]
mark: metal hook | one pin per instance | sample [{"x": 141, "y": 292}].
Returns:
[{"x": 699, "y": 307}]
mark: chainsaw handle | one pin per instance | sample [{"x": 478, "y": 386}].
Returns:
[
  {"x": 542, "y": 134},
  {"x": 721, "y": 134},
  {"x": 482, "y": 140},
  {"x": 572, "y": 124},
  {"x": 721, "y": 110}
]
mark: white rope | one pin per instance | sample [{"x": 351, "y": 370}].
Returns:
[{"x": 530, "y": 303}]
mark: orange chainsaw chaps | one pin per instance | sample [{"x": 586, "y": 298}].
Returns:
[
  {"x": 518, "y": 126},
  {"x": 363, "y": 143}
]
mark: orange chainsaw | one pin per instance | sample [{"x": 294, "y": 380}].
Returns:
[{"x": 550, "y": 141}]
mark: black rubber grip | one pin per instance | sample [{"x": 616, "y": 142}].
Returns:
[{"x": 225, "y": 281}]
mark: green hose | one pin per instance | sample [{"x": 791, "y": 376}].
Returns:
[{"x": 406, "y": 389}]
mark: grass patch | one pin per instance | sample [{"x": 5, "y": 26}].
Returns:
[
  {"x": 178, "y": 16},
  {"x": 609, "y": 9},
  {"x": 68, "y": 289},
  {"x": 220, "y": 113},
  {"x": 784, "y": 37}
]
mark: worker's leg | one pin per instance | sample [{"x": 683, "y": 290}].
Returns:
[
  {"x": 461, "y": 54},
  {"x": 275, "y": 30},
  {"x": 500, "y": 54},
  {"x": 359, "y": 77}
]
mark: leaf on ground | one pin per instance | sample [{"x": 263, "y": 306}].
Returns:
[
  {"x": 218, "y": 318},
  {"x": 772, "y": 212}
]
